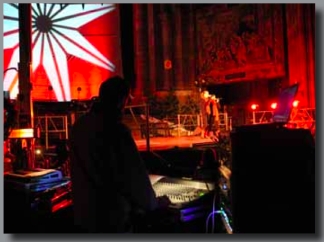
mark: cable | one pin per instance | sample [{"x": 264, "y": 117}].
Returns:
[
  {"x": 226, "y": 219},
  {"x": 207, "y": 186},
  {"x": 228, "y": 225},
  {"x": 211, "y": 214}
]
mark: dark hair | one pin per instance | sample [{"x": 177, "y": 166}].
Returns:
[
  {"x": 113, "y": 90},
  {"x": 112, "y": 94}
]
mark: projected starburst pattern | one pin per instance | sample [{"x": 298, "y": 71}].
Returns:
[{"x": 55, "y": 35}]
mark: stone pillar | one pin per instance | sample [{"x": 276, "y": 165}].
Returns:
[
  {"x": 139, "y": 49},
  {"x": 178, "y": 60},
  {"x": 309, "y": 13},
  {"x": 151, "y": 48},
  {"x": 166, "y": 47},
  {"x": 192, "y": 47},
  {"x": 301, "y": 63}
]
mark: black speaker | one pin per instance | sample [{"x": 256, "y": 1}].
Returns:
[{"x": 273, "y": 180}]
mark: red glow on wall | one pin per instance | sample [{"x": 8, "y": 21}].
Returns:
[{"x": 167, "y": 64}]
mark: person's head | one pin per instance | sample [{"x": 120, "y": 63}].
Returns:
[
  {"x": 113, "y": 94},
  {"x": 205, "y": 94}
]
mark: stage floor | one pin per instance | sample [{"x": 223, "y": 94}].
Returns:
[{"x": 164, "y": 143}]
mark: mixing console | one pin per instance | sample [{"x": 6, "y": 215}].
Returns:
[{"x": 181, "y": 192}]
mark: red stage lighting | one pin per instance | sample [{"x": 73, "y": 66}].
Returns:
[
  {"x": 273, "y": 105},
  {"x": 167, "y": 64},
  {"x": 254, "y": 106},
  {"x": 295, "y": 103}
]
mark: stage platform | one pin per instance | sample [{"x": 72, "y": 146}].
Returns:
[{"x": 164, "y": 143}]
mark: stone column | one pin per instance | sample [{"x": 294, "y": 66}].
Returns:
[
  {"x": 139, "y": 48},
  {"x": 151, "y": 48},
  {"x": 301, "y": 63},
  {"x": 192, "y": 47},
  {"x": 309, "y": 24},
  {"x": 178, "y": 60},
  {"x": 166, "y": 47}
]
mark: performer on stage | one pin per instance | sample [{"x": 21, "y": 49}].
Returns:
[
  {"x": 209, "y": 106},
  {"x": 204, "y": 102},
  {"x": 214, "y": 116}
]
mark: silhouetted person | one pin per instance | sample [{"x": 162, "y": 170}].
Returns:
[{"x": 109, "y": 178}]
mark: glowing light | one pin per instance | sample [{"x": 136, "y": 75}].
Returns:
[
  {"x": 21, "y": 133},
  {"x": 38, "y": 151},
  {"x": 167, "y": 64},
  {"x": 54, "y": 36},
  {"x": 273, "y": 105},
  {"x": 206, "y": 94},
  {"x": 295, "y": 103},
  {"x": 254, "y": 106}
]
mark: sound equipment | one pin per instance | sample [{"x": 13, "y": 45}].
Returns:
[
  {"x": 191, "y": 202},
  {"x": 188, "y": 198},
  {"x": 34, "y": 180},
  {"x": 34, "y": 197},
  {"x": 272, "y": 180}
]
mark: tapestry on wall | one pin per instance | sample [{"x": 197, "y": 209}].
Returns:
[{"x": 239, "y": 42}]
